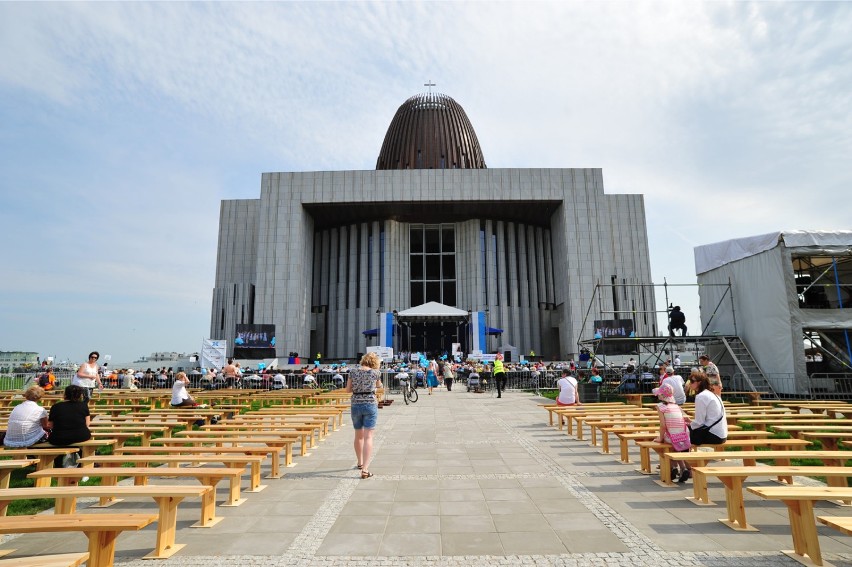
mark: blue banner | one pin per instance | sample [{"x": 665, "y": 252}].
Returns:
[{"x": 386, "y": 329}]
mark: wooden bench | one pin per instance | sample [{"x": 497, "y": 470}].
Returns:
[
  {"x": 208, "y": 476},
  {"x": 749, "y": 458},
  {"x": 552, "y": 410},
  {"x": 45, "y": 458},
  {"x": 55, "y": 560},
  {"x": 166, "y": 497},
  {"x": 733, "y": 478},
  {"x": 87, "y": 448},
  {"x": 307, "y": 432},
  {"x": 208, "y": 450},
  {"x": 131, "y": 458},
  {"x": 101, "y": 529},
  {"x": 279, "y": 443},
  {"x": 624, "y": 438},
  {"x": 335, "y": 411},
  {"x": 840, "y": 523},
  {"x": 575, "y": 415},
  {"x": 747, "y": 444},
  {"x": 7, "y": 467},
  {"x": 800, "y": 509}
]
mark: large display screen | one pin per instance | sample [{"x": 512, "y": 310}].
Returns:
[{"x": 254, "y": 341}]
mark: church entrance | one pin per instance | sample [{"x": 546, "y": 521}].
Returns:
[{"x": 432, "y": 337}]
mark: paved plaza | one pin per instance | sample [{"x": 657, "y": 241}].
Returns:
[{"x": 466, "y": 479}]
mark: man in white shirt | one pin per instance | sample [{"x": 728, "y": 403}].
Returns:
[
  {"x": 676, "y": 382},
  {"x": 567, "y": 385},
  {"x": 279, "y": 382}
]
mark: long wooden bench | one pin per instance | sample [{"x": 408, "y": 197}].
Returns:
[
  {"x": 336, "y": 411},
  {"x": 166, "y": 497},
  {"x": 278, "y": 443},
  {"x": 208, "y": 476},
  {"x": 800, "y": 510},
  {"x": 320, "y": 422},
  {"x": 840, "y": 523},
  {"x": 131, "y": 458},
  {"x": 624, "y": 438},
  {"x": 7, "y": 467},
  {"x": 304, "y": 434},
  {"x": 45, "y": 458},
  {"x": 553, "y": 410},
  {"x": 101, "y": 529},
  {"x": 55, "y": 560},
  {"x": 87, "y": 448},
  {"x": 209, "y": 450},
  {"x": 749, "y": 458},
  {"x": 661, "y": 449},
  {"x": 734, "y": 477}
]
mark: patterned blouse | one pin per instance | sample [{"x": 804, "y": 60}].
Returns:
[{"x": 364, "y": 385}]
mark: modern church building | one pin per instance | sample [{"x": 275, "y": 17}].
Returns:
[{"x": 430, "y": 249}]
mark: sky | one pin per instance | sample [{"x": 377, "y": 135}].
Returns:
[{"x": 123, "y": 126}]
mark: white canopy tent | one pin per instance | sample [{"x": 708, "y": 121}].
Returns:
[{"x": 434, "y": 311}]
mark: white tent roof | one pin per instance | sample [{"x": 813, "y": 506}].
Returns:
[
  {"x": 433, "y": 310},
  {"x": 711, "y": 256}
]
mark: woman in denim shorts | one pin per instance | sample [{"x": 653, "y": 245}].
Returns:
[{"x": 362, "y": 383}]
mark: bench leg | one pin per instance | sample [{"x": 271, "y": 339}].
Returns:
[
  {"x": 699, "y": 488},
  {"x": 233, "y": 490},
  {"x": 254, "y": 483},
  {"x": 166, "y": 528},
  {"x": 208, "y": 510},
  {"x": 604, "y": 442},
  {"x": 625, "y": 453},
  {"x": 736, "y": 519},
  {"x": 645, "y": 460},
  {"x": 665, "y": 470},
  {"x": 580, "y": 430},
  {"x": 101, "y": 548},
  {"x": 594, "y": 431},
  {"x": 803, "y": 528},
  {"x": 275, "y": 470}
]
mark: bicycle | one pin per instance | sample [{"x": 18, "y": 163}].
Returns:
[{"x": 409, "y": 394}]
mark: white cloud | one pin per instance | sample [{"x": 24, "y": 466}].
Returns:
[{"x": 732, "y": 119}]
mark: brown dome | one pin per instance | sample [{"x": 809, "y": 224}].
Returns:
[{"x": 430, "y": 131}]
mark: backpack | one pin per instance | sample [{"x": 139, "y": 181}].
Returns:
[{"x": 44, "y": 380}]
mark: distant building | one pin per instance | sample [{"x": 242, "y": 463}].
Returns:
[
  {"x": 331, "y": 257},
  {"x": 13, "y": 360}
]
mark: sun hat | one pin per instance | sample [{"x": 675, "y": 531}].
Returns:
[{"x": 665, "y": 393}]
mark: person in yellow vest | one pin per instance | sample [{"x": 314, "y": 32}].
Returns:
[{"x": 499, "y": 375}]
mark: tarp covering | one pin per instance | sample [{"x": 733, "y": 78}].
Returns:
[
  {"x": 712, "y": 256},
  {"x": 433, "y": 310}
]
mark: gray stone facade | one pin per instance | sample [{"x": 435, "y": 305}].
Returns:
[{"x": 320, "y": 252}]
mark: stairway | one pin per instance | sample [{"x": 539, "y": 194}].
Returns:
[{"x": 747, "y": 368}]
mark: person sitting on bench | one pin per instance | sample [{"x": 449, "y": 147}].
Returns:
[
  {"x": 68, "y": 422},
  {"x": 180, "y": 397}
]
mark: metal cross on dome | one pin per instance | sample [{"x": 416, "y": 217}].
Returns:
[{"x": 430, "y": 84}]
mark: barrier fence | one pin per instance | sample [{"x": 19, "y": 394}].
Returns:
[{"x": 615, "y": 382}]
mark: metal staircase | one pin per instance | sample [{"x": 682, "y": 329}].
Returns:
[{"x": 747, "y": 369}]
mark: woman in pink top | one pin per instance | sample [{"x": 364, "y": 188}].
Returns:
[{"x": 672, "y": 422}]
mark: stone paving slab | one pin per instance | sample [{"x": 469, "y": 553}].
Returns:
[{"x": 465, "y": 480}]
